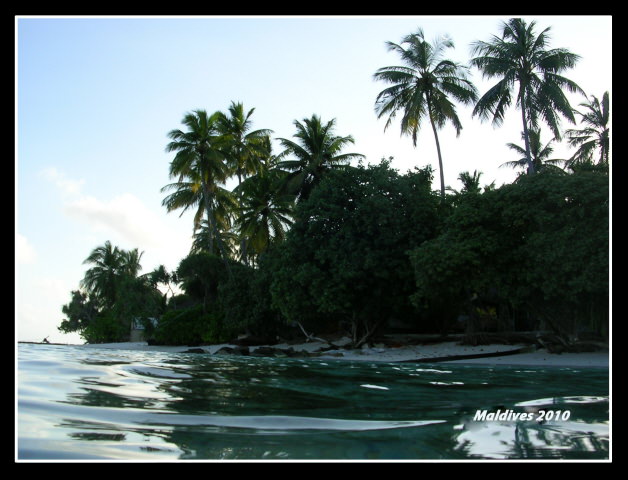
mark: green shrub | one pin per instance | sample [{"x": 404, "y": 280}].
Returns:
[
  {"x": 190, "y": 327},
  {"x": 245, "y": 301},
  {"x": 106, "y": 329}
]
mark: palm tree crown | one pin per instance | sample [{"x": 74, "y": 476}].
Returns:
[
  {"x": 596, "y": 133},
  {"x": 520, "y": 59},
  {"x": 265, "y": 212},
  {"x": 110, "y": 264},
  {"x": 540, "y": 154},
  {"x": 245, "y": 147},
  {"x": 422, "y": 87},
  {"x": 316, "y": 151},
  {"x": 199, "y": 160}
]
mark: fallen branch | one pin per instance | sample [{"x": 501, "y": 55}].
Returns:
[{"x": 309, "y": 337}]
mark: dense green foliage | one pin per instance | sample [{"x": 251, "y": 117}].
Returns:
[
  {"x": 536, "y": 250},
  {"x": 190, "y": 326},
  {"x": 199, "y": 275},
  {"x": 246, "y": 303},
  {"x": 344, "y": 261},
  {"x": 113, "y": 296}
]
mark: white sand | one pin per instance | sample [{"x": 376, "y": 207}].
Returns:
[{"x": 409, "y": 353}]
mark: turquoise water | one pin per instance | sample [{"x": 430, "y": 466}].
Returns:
[{"x": 78, "y": 403}]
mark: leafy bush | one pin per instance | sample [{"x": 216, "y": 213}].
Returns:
[
  {"x": 344, "y": 261},
  {"x": 538, "y": 247},
  {"x": 245, "y": 301},
  {"x": 105, "y": 329},
  {"x": 190, "y": 327}
]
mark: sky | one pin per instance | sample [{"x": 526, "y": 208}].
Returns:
[{"x": 97, "y": 96}]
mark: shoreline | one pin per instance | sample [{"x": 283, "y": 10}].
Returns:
[{"x": 443, "y": 352}]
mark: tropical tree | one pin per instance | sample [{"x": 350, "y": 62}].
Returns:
[
  {"x": 344, "y": 262},
  {"x": 421, "y": 89},
  {"x": 540, "y": 155},
  {"x": 161, "y": 276},
  {"x": 101, "y": 280},
  {"x": 316, "y": 151},
  {"x": 190, "y": 195},
  {"x": 265, "y": 211},
  {"x": 246, "y": 147},
  {"x": 112, "y": 294},
  {"x": 200, "y": 160},
  {"x": 470, "y": 182},
  {"x": 228, "y": 240},
  {"x": 596, "y": 133},
  {"x": 520, "y": 59}
]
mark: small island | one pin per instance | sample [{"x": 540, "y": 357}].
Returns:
[{"x": 313, "y": 245}]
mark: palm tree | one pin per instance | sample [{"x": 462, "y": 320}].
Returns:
[
  {"x": 316, "y": 151},
  {"x": 422, "y": 87},
  {"x": 540, "y": 154},
  {"x": 596, "y": 133},
  {"x": 246, "y": 147},
  {"x": 161, "y": 276},
  {"x": 110, "y": 265},
  {"x": 228, "y": 240},
  {"x": 519, "y": 57},
  {"x": 131, "y": 265},
  {"x": 470, "y": 182},
  {"x": 265, "y": 212},
  {"x": 200, "y": 159},
  {"x": 189, "y": 195}
]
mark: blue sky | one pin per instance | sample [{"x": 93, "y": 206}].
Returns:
[{"x": 96, "y": 98}]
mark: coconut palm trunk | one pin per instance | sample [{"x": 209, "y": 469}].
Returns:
[
  {"x": 526, "y": 135},
  {"x": 213, "y": 229},
  {"x": 243, "y": 240},
  {"x": 440, "y": 156}
]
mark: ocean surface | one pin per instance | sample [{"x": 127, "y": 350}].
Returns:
[{"x": 76, "y": 403}]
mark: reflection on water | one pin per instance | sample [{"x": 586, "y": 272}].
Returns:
[{"x": 78, "y": 403}]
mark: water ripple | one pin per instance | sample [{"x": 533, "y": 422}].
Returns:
[{"x": 76, "y": 403}]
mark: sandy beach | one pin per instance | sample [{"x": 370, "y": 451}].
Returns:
[{"x": 421, "y": 353}]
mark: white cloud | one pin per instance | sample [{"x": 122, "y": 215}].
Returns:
[
  {"x": 67, "y": 185},
  {"x": 126, "y": 218},
  {"x": 126, "y": 221},
  {"x": 25, "y": 251},
  {"x": 125, "y": 215}
]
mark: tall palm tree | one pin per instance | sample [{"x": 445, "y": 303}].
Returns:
[
  {"x": 540, "y": 154},
  {"x": 520, "y": 59},
  {"x": 596, "y": 133},
  {"x": 422, "y": 88},
  {"x": 245, "y": 147},
  {"x": 200, "y": 159},
  {"x": 265, "y": 211},
  {"x": 316, "y": 151}
]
